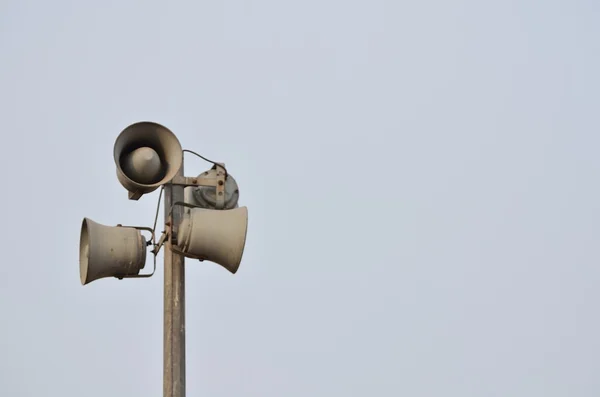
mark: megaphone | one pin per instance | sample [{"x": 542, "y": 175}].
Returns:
[
  {"x": 147, "y": 155},
  {"x": 109, "y": 251},
  {"x": 214, "y": 235}
]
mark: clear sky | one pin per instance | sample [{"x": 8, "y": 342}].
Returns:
[{"x": 421, "y": 178}]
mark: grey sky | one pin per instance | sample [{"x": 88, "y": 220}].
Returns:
[{"x": 421, "y": 178}]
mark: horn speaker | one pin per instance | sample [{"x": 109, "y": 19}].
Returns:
[
  {"x": 147, "y": 155},
  {"x": 214, "y": 235},
  {"x": 109, "y": 251}
]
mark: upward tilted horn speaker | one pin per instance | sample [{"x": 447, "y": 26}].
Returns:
[
  {"x": 109, "y": 251},
  {"x": 214, "y": 235},
  {"x": 147, "y": 156}
]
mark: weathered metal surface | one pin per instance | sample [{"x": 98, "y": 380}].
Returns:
[
  {"x": 224, "y": 195},
  {"x": 174, "y": 299},
  {"x": 201, "y": 180},
  {"x": 161, "y": 241},
  {"x": 220, "y": 198}
]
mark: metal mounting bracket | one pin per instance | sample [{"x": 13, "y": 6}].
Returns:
[{"x": 218, "y": 182}]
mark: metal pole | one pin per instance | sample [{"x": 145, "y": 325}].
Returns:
[{"x": 174, "y": 302}]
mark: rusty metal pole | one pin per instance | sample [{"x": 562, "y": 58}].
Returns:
[{"x": 174, "y": 301}]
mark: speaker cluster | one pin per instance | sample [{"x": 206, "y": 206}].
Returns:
[{"x": 147, "y": 156}]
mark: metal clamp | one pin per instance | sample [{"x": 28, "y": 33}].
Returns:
[
  {"x": 173, "y": 236},
  {"x": 220, "y": 193},
  {"x": 218, "y": 182},
  {"x": 161, "y": 241}
]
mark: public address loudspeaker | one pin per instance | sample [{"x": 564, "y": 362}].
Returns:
[
  {"x": 214, "y": 235},
  {"x": 109, "y": 251},
  {"x": 147, "y": 156}
]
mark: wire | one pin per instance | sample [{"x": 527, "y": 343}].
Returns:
[
  {"x": 205, "y": 159},
  {"x": 157, "y": 208},
  {"x": 162, "y": 188}
]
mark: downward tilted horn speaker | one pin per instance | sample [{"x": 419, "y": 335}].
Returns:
[
  {"x": 147, "y": 156},
  {"x": 107, "y": 251},
  {"x": 214, "y": 235}
]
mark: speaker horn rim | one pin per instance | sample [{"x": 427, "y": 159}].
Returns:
[
  {"x": 84, "y": 240},
  {"x": 172, "y": 167}
]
